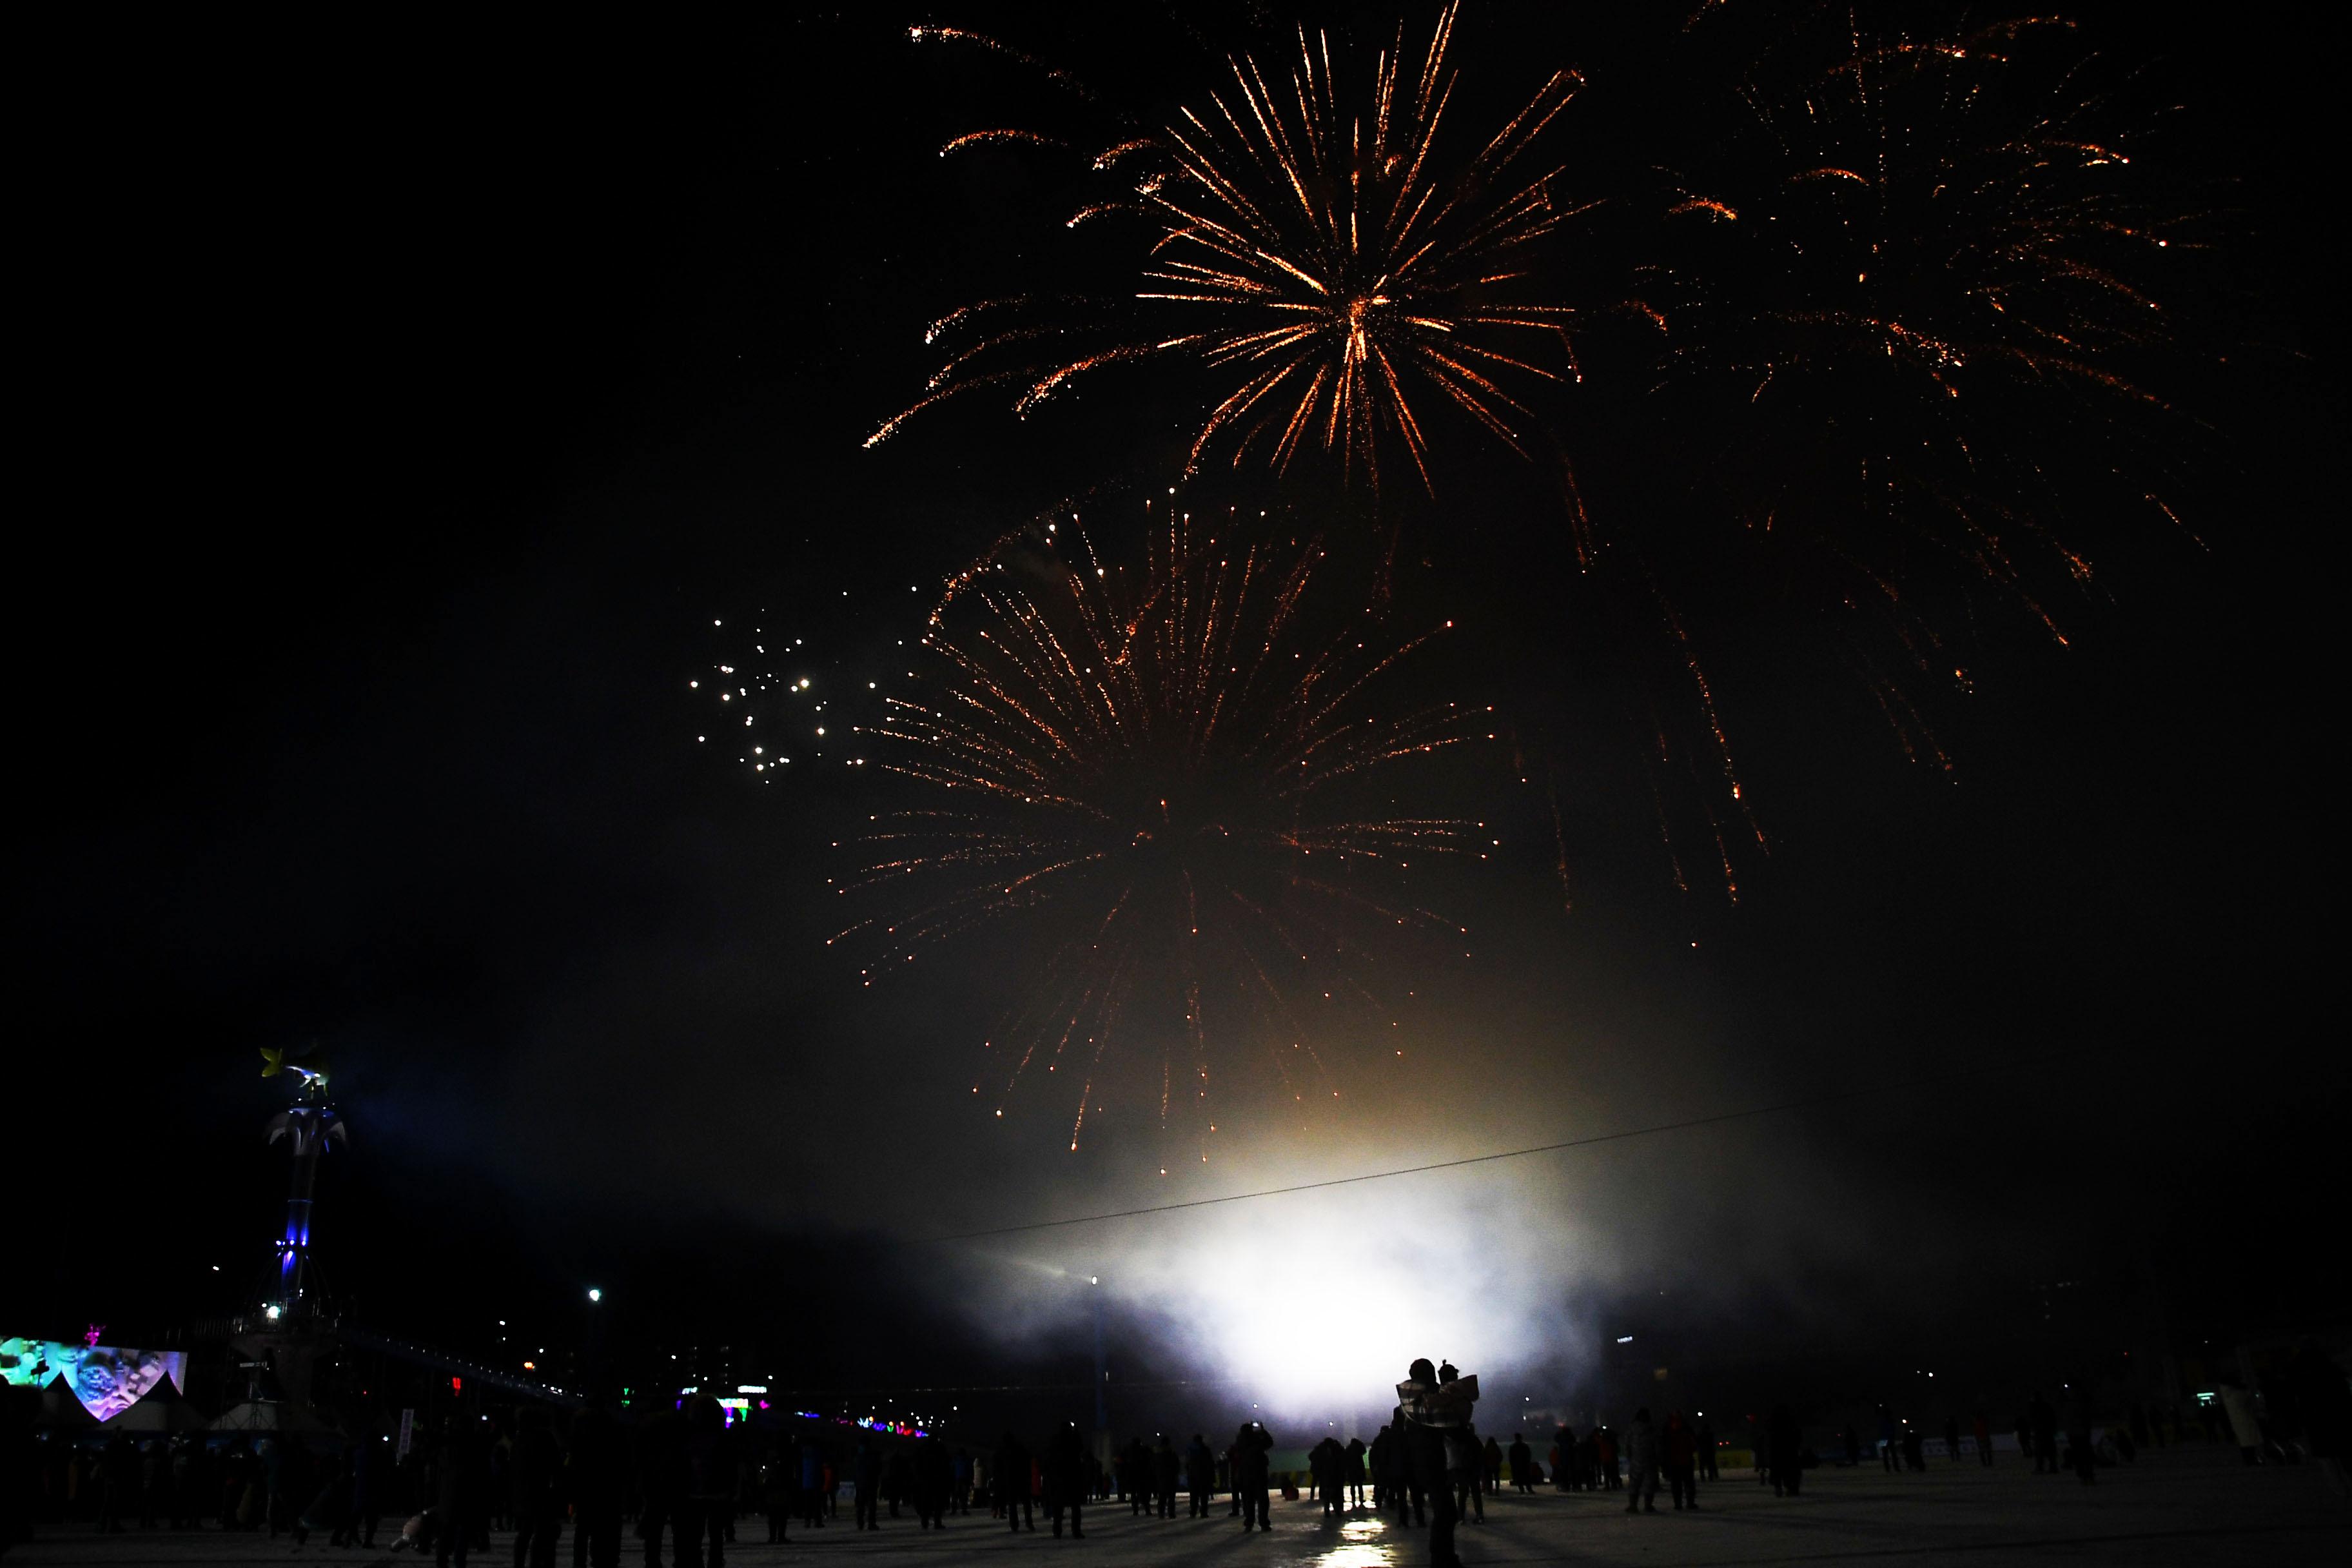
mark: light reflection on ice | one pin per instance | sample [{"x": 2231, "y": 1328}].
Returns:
[{"x": 1361, "y": 1545}]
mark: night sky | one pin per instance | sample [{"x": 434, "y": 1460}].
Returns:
[{"x": 410, "y": 405}]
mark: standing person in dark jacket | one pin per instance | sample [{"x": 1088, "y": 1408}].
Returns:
[
  {"x": 595, "y": 1473},
  {"x": 235, "y": 1474},
  {"x": 1252, "y": 1444},
  {"x": 461, "y": 1480},
  {"x": 1412, "y": 1489},
  {"x": 1200, "y": 1475},
  {"x": 368, "y": 1462},
  {"x": 1490, "y": 1477},
  {"x": 1356, "y": 1472},
  {"x": 705, "y": 1494},
  {"x": 865, "y": 1483},
  {"x": 2078, "y": 1439},
  {"x": 1420, "y": 1456},
  {"x": 155, "y": 1482},
  {"x": 339, "y": 1515},
  {"x": 1327, "y": 1463},
  {"x": 934, "y": 1480},
  {"x": 2323, "y": 1407},
  {"x": 1465, "y": 1468},
  {"x": 183, "y": 1484},
  {"x": 1523, "y": 1463},
  {"x": 328, "y": 1507},
  {"x": 778, "y": 1467},
  {"x": 1641, "y": 1462},
  {"x": 1679, "y": 1453},
  {"x": 2044, "y": 1421},
  {"x": 1012, "y": 1482},
  {"x": 118, "y": 1485},
  {"x": 1703, "y": 1441},
  {"x": 660, "y": 1464},
  {"x": 812, "y": 1483},
  {"x": 1167, "y": 1469},
  {"x": 536, "y": 1472},
  {"x": 897, "y": 1479},
  {"x": 1984, "y": 1438},
  {"x": 1786, "y": 1445},
  {"x": 1066, "y": 1478},
  {"x": 1135, "y": 1476}
]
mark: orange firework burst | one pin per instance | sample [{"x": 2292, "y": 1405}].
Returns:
[
  {"x": 1180, "y": 785},
  {"x": 1326, "y": 256}
]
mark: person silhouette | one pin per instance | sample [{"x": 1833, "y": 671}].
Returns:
[
  {"x": 1167, "y": 1467},
  {"x": 1252, "y": 1444},
  {"x": 1642, "y": 1451},
  {"x": 1199, "y": 1474},
  {"x": 1422, "y": 1457},
  {"x": 1012, "y": 1482},
  {"x": 1066, "y": 1478}
]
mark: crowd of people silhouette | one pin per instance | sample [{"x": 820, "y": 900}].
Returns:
[{"x": 681, "y": 1480}]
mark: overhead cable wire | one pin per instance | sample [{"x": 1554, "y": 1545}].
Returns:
[{"x": 1831, "y": 1098}]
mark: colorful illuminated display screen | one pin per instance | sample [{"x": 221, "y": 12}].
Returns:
[{"x": 107, "y": 1379}]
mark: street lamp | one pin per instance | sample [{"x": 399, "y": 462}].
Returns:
[{"x": 595, "y": 1294}]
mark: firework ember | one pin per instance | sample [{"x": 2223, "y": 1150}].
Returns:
[
  {"x": 1924, "y": 302},
  {"x": 1183, "y": 790}
]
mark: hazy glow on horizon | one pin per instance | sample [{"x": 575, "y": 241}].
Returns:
[{"x": 1315, "y": 1305}]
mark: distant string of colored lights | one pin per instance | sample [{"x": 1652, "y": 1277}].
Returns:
[{"x": 1831, "y": 1098}]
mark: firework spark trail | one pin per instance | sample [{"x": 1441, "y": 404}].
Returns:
[
  {"x": 1657, "y": 759},
  {"x": 1689, "y": 656},
  {"x": 1174, "y": 761},
  {"x": 1912, "y": 732},
  {"x": 1328, "y": 251},
  {"x": 1559, "y": 843},
  {"x": 998, "y": 136},
  {"x": 1061, "y": 79},
  {"x": 1942, "y": 272}
]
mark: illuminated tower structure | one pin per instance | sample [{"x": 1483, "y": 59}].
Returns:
[{"x": 292, "y": 1288}]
